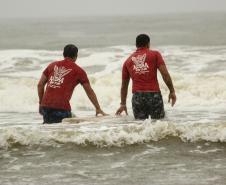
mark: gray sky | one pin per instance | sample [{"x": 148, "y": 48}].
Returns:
[{"x": 57, "y": 8}]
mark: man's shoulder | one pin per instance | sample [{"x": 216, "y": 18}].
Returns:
[
  {"x": 130, "y": 57},
  {"x": 154, "y": 52},
  {"x": 54, "y": 63},
  {"x": 62, "y": 63},
  {"x": 78, "y": 69},
  {"x": 76, "y": 66},
  {"x": 66, "y": 64}
]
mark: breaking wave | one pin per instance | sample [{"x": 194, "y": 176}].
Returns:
[
  {"x": 199, "y": 115},
  {"x": 106, "y": 135}
]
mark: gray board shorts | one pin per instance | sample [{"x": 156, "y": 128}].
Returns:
[{"x": 148, "y": 104}]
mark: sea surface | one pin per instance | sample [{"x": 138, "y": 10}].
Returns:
[{"x": 188, "y": 147}]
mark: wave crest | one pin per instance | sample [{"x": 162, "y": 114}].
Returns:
[{"x": 117, "y": 136}]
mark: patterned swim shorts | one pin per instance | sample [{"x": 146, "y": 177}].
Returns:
[{"x": 147, "y": 104}]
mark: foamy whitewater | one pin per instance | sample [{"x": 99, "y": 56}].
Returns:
[
  {"x": 187, "y": 147},
  {"x": 198, "y": 74}
]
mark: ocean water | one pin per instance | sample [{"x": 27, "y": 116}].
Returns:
[{"x": 187, "y": 147}]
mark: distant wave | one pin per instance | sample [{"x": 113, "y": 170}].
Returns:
[{"x": 198, "y": 73}]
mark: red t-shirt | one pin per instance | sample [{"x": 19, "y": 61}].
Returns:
[
  {"x": 142, "y": 67},
  {"x": 62, "y": 77}
]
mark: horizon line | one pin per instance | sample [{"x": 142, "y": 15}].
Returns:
[{"x": 113, "y": 15}]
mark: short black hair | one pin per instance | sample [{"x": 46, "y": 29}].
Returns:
[
  {"x": 142, "y": 40},
  {"x": 70, "y": 51}
]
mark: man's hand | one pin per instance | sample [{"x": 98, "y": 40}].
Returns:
[
  {"x": 100, "y": 112},
  {"x": 173, "y": 98},
  {"x": 167, "y": 79},
  {"x": 121, "y": 109},
  {"x": 124, "y": 91}
]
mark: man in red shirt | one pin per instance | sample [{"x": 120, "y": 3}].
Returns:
[
  {"x": 142, "y": 68},
  {"x": 60, "y": 79}
]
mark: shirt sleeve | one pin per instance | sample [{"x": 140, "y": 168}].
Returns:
[
  {"x": 46, "y": 72},
  {"x": 83, "y": 78},
  {"x": 160, "y": 60},
  {"x": 125, "y": 72}
]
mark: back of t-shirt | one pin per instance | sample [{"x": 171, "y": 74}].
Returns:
[
  {"x": 142, "y": 67},
  {"x": 62, "y": 77}
]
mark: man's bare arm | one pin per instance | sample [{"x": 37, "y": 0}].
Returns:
[
  {"x": 93, "y": 98},
  {"x": 124, "y": 92},
  {"x": 41, "y": 87},
  {"x": 168, "y": 81}
]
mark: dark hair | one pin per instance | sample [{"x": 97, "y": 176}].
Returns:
[
  {"x": 142, "y": 40},
  {"x": 70, "y": 51}
]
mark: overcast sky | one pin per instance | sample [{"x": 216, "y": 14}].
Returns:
[{"x": 57, "y": 8}]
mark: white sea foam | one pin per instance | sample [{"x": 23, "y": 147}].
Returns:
[
  {"x": 198, "y": 75},
  {"x": 199, "y": 78},
  {"x": 115, "y": 135}
]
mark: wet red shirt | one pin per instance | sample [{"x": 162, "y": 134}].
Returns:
[
  {"x": 142, "y": 67},
  {"x": 62, "y": 77}
]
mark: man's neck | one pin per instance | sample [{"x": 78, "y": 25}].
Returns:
[
  {"x": 70, "y": 59},
  {"x": 142, "y": 48}
]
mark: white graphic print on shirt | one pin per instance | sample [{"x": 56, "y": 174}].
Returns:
[
  {"x": 140, "y": 66},
  {"x": 58, "y": 78}
]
